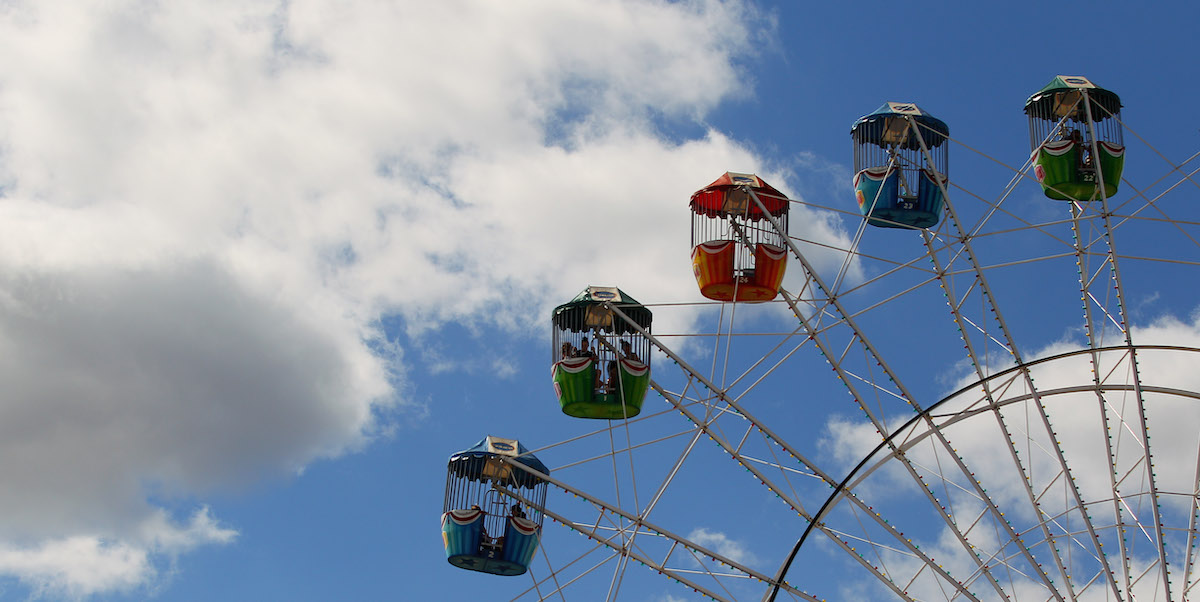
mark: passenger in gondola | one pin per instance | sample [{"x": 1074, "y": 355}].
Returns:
[
  {"x": 513, "y": 512},
  {"x": 516, "y": 511},
  {"x": 568, "y": 350},
  {"x": 613, "y": 376},
  {"x": 585, "y": 349},
  {"x": 484, "y": 538},
  {"x": 627, "y": 352}
]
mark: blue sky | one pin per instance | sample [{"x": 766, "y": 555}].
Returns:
[{"x": 265, "y": 265}]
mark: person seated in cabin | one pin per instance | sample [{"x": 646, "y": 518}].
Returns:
[
  {"x": 608, "y": 380},
  {"x": 1076, "y": 137},
  {"x": 1071, "y": 134},
  {"x": 1085, "y": 150},
  {"x": 585, "y": 349},
  {"x": 568, "y": 350},
  {"x": 627, "y": 352},
  {"x": 483, "y": 534},
  {"x": 516, "y": 511}
]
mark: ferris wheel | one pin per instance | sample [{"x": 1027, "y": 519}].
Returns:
[{"x": 962, "y": 398}]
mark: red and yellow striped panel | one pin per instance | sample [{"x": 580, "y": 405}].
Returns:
[
  {"x": 770, "y": 263},
  {"x": 712, "y": 263}
]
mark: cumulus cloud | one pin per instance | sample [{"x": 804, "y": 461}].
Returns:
[
  {"x": 80, "y": 565},
  {"x": 167, "y": 381},
  {"x": 206, "y": 209},
  {"x": 103, "y": 365},
  {"x": 723, "y": 545},
  {"x": 77, "y": 566}
]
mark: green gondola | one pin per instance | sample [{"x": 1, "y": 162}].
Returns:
[
  {"x": 1076, "y": 138},
  {"x": 599, "y": 370}
]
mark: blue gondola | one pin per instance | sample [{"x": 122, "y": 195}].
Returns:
[
  {"x": 492, "y": 516},
  {"x": 896, "y": 184}
]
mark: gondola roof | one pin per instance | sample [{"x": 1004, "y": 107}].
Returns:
[
  {"x": 711, "y": 200},
  {"x": 470, "y": 463},
  {"x": 873, "y": 128},
  {"x": 572, "y": 314},
  {"x": 1043, "y": 102}
]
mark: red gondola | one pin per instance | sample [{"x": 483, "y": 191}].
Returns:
[{"x": 738, "y": 227}]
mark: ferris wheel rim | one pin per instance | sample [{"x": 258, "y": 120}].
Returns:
[{"x": 875, "y": 458}]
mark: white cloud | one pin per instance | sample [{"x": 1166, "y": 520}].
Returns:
[
  {"x": 848, "y": 441},
  {"x": 723, "y": 545},
  {"x": 162, "y": 535},
  {"x": 221, "y": 384},
  {"x": 77, "y": 566},
  {"x": 205, "y": 208}
]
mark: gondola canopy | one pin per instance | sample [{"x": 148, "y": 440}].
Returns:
[
  {"x": 1060, "y": 98},
  {"x": 587, "y": 311},
  {"x": 888, "y": 127},
  {"x": 727, "y": 197},
  {"x": 482, "y": 462}
]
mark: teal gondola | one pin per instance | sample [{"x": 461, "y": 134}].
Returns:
[
  {"x": 1076, "y": 139},
  {"x": 901, "y": 166},
  {"x": 601, "y": 361},
  {"x": 492, "y": 515}
]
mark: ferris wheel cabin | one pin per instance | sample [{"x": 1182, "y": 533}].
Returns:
[
  {"x": 900, "y": 164},
  {"x": 737, "y": 253},
  {"x": 1076, "y": 138},
  {"x": 601, "y": 358},
  {"x": 492, "y": 517}
]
